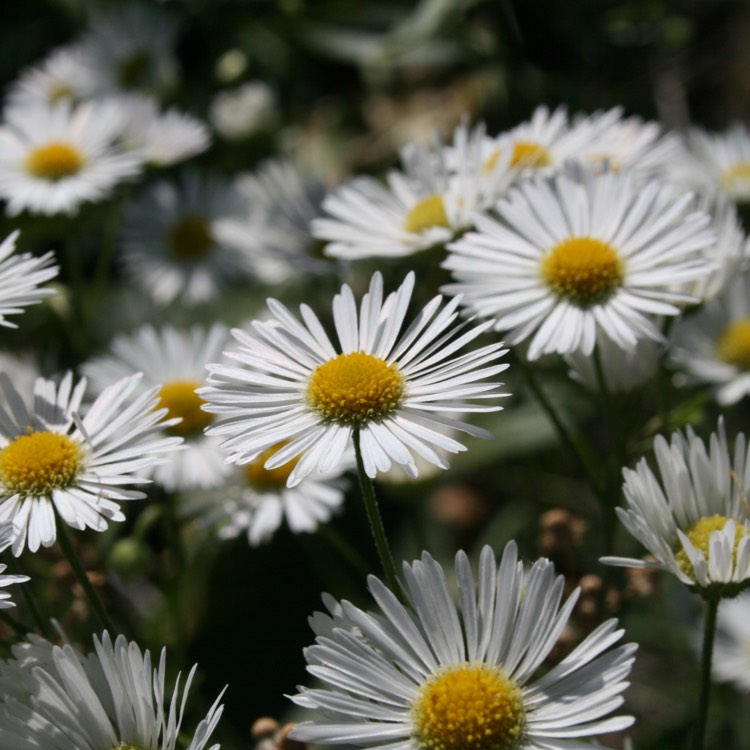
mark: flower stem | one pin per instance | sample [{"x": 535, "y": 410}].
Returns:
[
  {"x": 709, "y": 631},
  {"x": 376, "y": 522},
  {"x": 96, "y": 603}
]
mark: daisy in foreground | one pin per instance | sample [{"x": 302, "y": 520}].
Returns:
[
  {"x": 55, "y": 697},
  {"x": 694, "y": 519},
  {"x": 582, "y": 255},
  {"x": 381, "y": 390},
  {"x": 431, "y": 675},
  {"x": 56, "y": 462}
]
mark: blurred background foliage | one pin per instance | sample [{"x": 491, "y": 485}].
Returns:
[{"x": 355, "y": 81}]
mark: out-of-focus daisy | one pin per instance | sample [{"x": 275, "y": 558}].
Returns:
[
  {"x": 731, "y": 656},
  {"x": 244, "y": 111},
  {"x": 430, "y": 674},
  {"x": 255, "y": 501},
  {"x": 111, "y": 698},
  {"x": 20, "y": 279},
  {"x": 6, "y": 539},
  {"x": 131, "y": 47},
  {"x": 692, "y": 515},
  {"x": 160, "y": 138},
  {"x": 713, "y": 344},
  {"x": 388, "y": 387},
  {"x": 426, "y": 204},
  {"x": 58, "y": 462},
  {"x": 720, "y": 161},
  {"x": 623, "y": 369},
  {"x": 285, "y": 202},
  {"x": 170, "y": 243},
  {"x": 63, "y": 75},
  {"x": 176, "y": 362},
  {"x": 53, "y": 158},
  {"x": 569, "y": 259}
]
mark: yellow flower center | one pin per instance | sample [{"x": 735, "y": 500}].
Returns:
[
  {"x": 699, "y": 534},
  {"x": 60, "y": 92},
  {"x": 734, "y": 344},
  {"x": 737, "y": 173},
  {"x": 469, "y": 707},
  {"x": 355, "y": 388},
  {"x": 269, "y": 480},
  {"x": 530, "y": 154},
  {"x": 132, "y": 70},
  {"x": 583, "y": 270},
  {"x": 38, "y": 462},
  {"x": 190, "y": 238},
  {"x": 54, "y": 161},
  {"x": 181, "y": 400},
  {"x": 429, "y": 212}
]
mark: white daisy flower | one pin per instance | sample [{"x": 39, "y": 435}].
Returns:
[
  {"x": 57, "y": 462},
  {"x": 731, "y": 655},
  {"x": 63, "y": 75},
  {"x": 7, "y": 532},
  {"x": 160, "y": 138},
  {"x": 170, "y": 241},
  {"x": 256, "y": 501},
  {"x": 713, "y": 344},
  {"x": 53, "y": 158},
  {"x": 693, "y": 517},
  {"x": 569, "y": 259},
  {"x": 293, "y": 384},
  {"x": 111, "y": 698},
  {"x": 426, "y": 204},
  {"x": 131, "y": 47},
  {"x": 430, "y": 674},
  {"x": 244, "y": 111},
  {"x": 175, "y": 361},
  {"x": 20, "y": 279},
  {"x": 720, "y": 161},
  {"x": 284, "y": 202}
]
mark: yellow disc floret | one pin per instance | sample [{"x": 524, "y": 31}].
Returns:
[
  {"x": 699, "y": 534},
  {"x": 429, "y": 212},
  {"x": 734, "y": 344},
  {"x": 38, "y": 462},
  {"x": 355, "y": 388},
  {"x": 190, "y": 238},
  {"x": 54, "y": 161},
  {"x": 269, "y": 480},
  {"x": 469, "y": 707},
  {"x": 583, "y": 270},
  {"x": 530, "y": 154},
  {"x": 737, "y": 174},
  {"x": 181, "y": 400}
]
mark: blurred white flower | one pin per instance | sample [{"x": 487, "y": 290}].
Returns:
[{"x": 239, "y": 113}]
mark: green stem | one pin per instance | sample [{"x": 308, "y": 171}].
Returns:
[
  {"x": 96, "y": 603},
  {"x": 376, "y": 522},
  {"x": 562, "y": 431},
  {"x": 709, "y": 631}
]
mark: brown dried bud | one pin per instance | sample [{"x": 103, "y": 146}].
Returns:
[
  {"x": 643, "y": 581},
  {"x": 284, "y": 742},
  {"x": 457, "y": 505},
  {"x": 263, "y": 727},
  {"x": 559, "y": 532}
]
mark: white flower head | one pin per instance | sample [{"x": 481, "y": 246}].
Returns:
[
  {"x": 387, "y": 388},
  {"x": 431, "y": 674},
  {"x": 244, "y": 111},
  {"x": 170, "y": 240},
  {"x": 175, "y": 361},
  {"x": 429, "y": 201},
  {"x": 712, "y": 345},
  {"x": 255, "y": 501},
  {"x": 60, "y": 464},
  {"x": 55, "y": 157},
  {"x": 21, "y": 277},
  {"x": 111, "y": 698},
  {"x": 692, "y": 513},
  {"x": 569, "y": 259}
]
